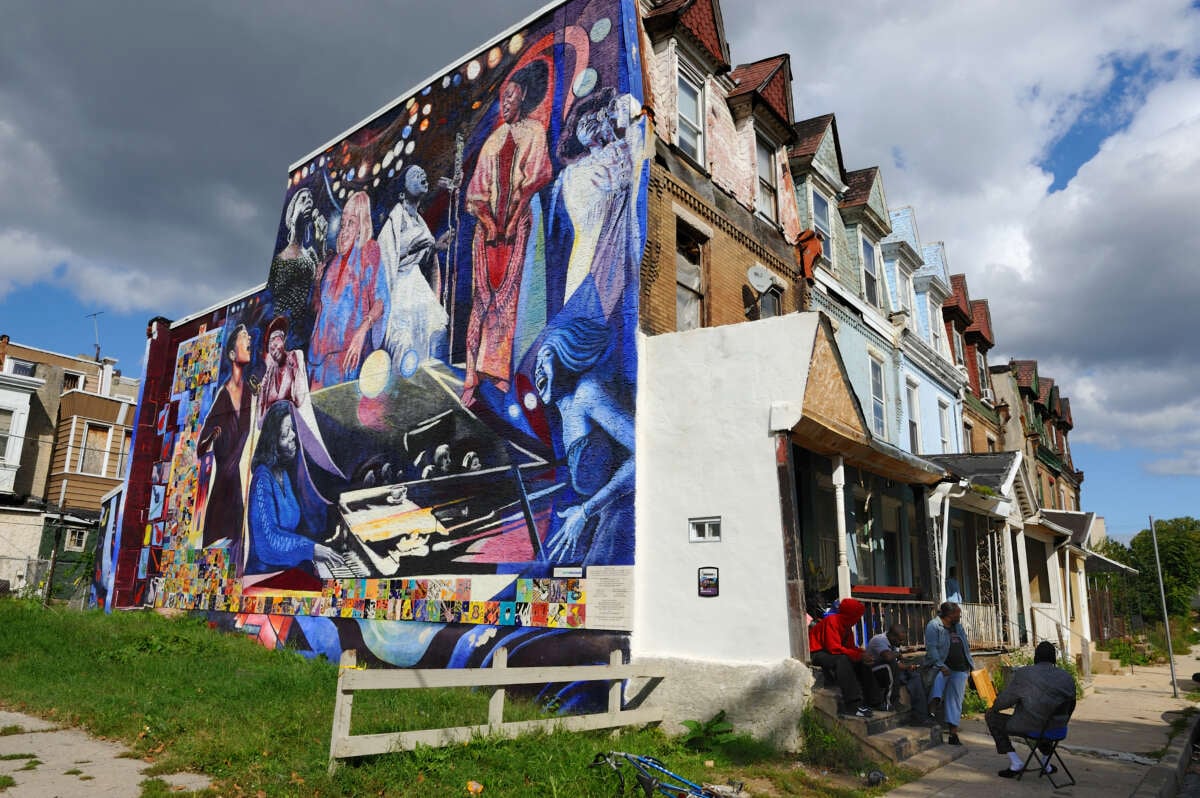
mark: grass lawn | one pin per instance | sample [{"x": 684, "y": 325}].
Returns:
[{"x": 257, "y": 722}]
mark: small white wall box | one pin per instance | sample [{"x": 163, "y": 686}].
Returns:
[{"x": 704, "y": 530}]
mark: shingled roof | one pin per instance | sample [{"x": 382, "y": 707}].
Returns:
[
  {"x": 981, "y": 324},
  {"x": 770, "y": 80},
  {"x": 958, "y": 303},
  {"x": 809, "y": 134},
  {"x": 859, "y": 182},
  {"x": 1026, "y": 373},
  {"x": 700, "y": 18}
]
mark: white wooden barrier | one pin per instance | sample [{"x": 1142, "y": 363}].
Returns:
[{"x": 343, "y": 745}]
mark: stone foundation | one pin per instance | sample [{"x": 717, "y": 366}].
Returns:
[{"x": 763, "y": 700}]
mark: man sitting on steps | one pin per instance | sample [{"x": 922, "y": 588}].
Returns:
[{"x": 835, "y": 651}]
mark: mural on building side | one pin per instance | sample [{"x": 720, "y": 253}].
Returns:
[{"x": 418, "y": 439}]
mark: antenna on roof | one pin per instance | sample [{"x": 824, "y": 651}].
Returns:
[{"x": 96, "y": 325}]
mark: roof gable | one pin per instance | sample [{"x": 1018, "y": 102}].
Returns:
[
  {"x": 980, "y": 330},
  {"x": 771, "y": 80},
  {"x": 701, "y": 19}
]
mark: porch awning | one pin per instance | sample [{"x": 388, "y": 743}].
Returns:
[
  {"x": 829, "y": 421},
  {"x": 1099, "y": 564}
]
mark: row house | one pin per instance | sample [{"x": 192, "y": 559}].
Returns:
[
  {"x": 65, "y": 434},
  {"x": 1054, "y": 543},
  {"x": 787, "y": 426}
]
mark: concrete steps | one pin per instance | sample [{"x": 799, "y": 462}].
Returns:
[
  {"x": 886, "y": 735},
  {"x": 1102, "y": 663}
]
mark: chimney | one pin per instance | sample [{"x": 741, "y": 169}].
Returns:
[
  {"x": 106, "y": 376},
  {"x": 3, "y": 350}
]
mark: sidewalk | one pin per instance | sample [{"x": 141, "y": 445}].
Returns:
[
  {"x": 1111, "y": 733},
  {"x": 67, "y": 763}
]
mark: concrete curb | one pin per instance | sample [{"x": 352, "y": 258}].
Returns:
[{"x": 1163, "y": 780}]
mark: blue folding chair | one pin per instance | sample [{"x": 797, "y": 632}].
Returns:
[{"x": 1053, "y": 732}]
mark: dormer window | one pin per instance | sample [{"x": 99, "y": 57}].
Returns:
[
  {"x": 958, "y": 346},
  {"x": 766, "y": 202},
  {"x": 821, "y": 223},
  {"x": 935, "y": 325},
  {"x": 981, "y": 368},
  {"x": 691, "y": 113},
  {"x": 870, "y": 273}
]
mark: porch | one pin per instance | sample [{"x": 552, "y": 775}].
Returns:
[{"x": 985, "y": 631}]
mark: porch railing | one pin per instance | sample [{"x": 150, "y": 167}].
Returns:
[{"x": 982, "y": 621}]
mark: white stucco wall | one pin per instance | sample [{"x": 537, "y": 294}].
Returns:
[{"x": 704, "y": 448}]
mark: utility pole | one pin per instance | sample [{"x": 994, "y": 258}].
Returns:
[
  {"x": 1162, "y": 593},
  {"x": 96, "y": 326}
]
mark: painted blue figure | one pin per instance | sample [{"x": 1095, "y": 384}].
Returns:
[
  {"x": 283, "y": 501},
  {"x": 598, "y": 438}
]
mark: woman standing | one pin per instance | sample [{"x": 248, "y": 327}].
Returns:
[
  {"x": 349, "y": 300},
  {"x": 224, "y": 434},
  {"x": 947, "y": 650},
  {"x": 415, "y": 315}
]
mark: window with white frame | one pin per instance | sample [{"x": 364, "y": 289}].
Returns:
[
  {"x": 72, "y": 381},
  {"x": 123, "y": 457},
  {"x": 766, "y": 202},
  {"x": 904, "y": 293},
  {"x": 967, "y": 445},
  {"x": 6, "y": 421},
  {"x": 705, "y": 530},
  {"x": 21, "y": 368},
  {"x": 877, "y": 397},
  {"x": 991, "y": 444},
  {"x": 959, "y": 357},
  {"x": 935, "y": 324},
  {"x": 821, "y": 223},
  {"x": 770, "y": 303},
  {"x": 944, "y": 425},
  {"x": 76, "y": 539},
  {"x": 912, "y": 399},
  {"x": 981, "y": 369},
  {"x": 691, "y": 113},
  {"x": 870, "y": 272},
  {"x": 689, "y": 277},
  {"x": 93, "y": 455}
]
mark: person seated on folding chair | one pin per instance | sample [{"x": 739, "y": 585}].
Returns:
[
  {"x": 891, "y": 672},
  {"x": 1034, "y": 693}
]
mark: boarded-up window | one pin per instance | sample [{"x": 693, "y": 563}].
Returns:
[{"x": 95, "y": 441}]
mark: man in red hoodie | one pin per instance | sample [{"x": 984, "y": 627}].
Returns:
[{"x": 834, "y": 650}]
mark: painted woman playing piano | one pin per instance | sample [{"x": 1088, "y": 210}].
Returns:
[{"x": 284, "y": 508}]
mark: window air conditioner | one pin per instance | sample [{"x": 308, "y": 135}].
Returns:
[{"x": 988, "y": 396}]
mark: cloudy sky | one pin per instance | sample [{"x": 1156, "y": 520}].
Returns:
[{"x": 1054, "y": 148}]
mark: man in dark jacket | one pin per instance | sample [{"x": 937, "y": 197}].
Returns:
[
  {"x": 1034, "y": 692},
  {"x": 835, "y": 651}
]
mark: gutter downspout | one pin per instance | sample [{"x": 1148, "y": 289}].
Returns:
[{"x": 941, "y": 495}]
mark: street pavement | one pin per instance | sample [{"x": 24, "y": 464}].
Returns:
[
  {"x": 1114, "y": 729},
  {"x": 67, "y": 763}
]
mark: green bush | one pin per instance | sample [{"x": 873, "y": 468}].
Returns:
[{"x": 830, "y": 746}]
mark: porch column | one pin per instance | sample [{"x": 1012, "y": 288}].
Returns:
[
  {"x": 839, "y": 500},
  {"x": 792, "y": 556},
  {"x": 1023, "y": 582},
  {"x": 1054, "y": 574},
  {"x": 1084, "y": 617},
  {"x": 1012, "y": 628}
]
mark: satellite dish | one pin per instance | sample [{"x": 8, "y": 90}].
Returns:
[{"x": 760, "y": 278}]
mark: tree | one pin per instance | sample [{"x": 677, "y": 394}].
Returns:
[{"x": 1179, "y": 552}]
